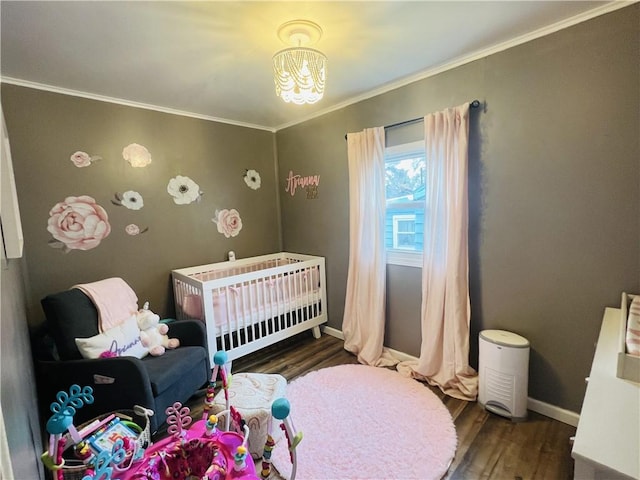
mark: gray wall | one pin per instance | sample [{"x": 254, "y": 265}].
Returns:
[
  {"x": 18, "y": 397},
  {"x": 46, "y": 128},
  {"x": 554, "y": 193}
]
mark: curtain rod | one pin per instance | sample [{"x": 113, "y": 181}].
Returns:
[{"x": 472, "y": 104}]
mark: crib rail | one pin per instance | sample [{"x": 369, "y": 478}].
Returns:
[{"x": 251, "y": 303}]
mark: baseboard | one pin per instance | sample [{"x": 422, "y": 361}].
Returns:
[
  {"x": 552, "y": 411},
  {"x": 403, "y": 357},
  {"x": 334, "y": 332},
  {"x": 546, "y": 409}
]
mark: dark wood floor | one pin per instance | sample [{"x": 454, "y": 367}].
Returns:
[{"x": 489, "y": 446}]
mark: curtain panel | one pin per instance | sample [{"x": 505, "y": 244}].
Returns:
[
  {"x": 446, "y": 310},
  {"x": 364, "y": 312}
]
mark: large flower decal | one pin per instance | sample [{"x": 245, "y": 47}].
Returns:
[
  {"x": 130, "y": 199},
  {"x": 78, "y": 223},
  {"x": 252, "y": 179},
  {"x": 228, "y": 221},
  {"x": 83, "y": 159},
  {"x": 183, "y": 190},
  {"x": 136, "y": 155}
]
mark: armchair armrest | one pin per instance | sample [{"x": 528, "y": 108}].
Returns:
[
  {"x": 191, "y": 333},
  {"x": 118, "y": 383}
]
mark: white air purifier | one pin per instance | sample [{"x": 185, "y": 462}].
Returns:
[{"x": 503, "y": 371}]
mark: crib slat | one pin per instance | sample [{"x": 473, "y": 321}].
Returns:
[
  {"x": 230, "y": 343},
  {"x": 278, "y": 303},
  {"x": 257, "y": 307}
]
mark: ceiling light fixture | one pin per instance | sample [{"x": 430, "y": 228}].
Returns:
[{"x": 299, "y": 71}]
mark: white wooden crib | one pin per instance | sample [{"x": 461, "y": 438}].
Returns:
[{"x": 250, "y": 303}]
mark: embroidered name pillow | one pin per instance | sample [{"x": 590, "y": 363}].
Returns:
[{"x": 121, "y": 341}]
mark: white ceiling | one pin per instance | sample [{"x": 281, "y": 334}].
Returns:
[{"x": 213, "y": 59}]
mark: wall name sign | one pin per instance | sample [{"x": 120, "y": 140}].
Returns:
[{"x": 309, "y": 183}]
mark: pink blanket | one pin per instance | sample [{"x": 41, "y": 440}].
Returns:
[{"x": 114, "y": 299}]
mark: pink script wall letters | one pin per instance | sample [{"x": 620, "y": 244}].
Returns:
[{"x": 310, "y": 182}]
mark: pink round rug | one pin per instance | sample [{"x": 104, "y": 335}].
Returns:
[{"x": 361, "y": 422}]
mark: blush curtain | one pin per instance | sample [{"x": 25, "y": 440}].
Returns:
[
  {"x": 364, "y": 310},
  {"x": 446, "y": 311}
]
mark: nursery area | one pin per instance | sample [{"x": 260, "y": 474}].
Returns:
[{"x": 419, "y": 220}]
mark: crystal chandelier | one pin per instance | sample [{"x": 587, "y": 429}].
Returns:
[{"x": 299, "y": 71}]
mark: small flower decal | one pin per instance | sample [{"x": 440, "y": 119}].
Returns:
[
  {"x": 83, "y": 159},
  {"x": 228, "y": 221},
  {"x": 130, "y": 199},
  {"x": 133, "y": 229},
  {"x": 78, "y": 223},
  {"x": 183, "y": 190},
  {"x": 252, "y": 179},
  {"x": 137, "y": 155}
]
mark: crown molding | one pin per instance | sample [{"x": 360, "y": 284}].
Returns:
[
  {"x": 127, "y": 103},
  {"x": 541, "y": 32}
]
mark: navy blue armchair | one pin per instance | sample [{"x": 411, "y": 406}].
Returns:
[{"x": 120, "y": 382}]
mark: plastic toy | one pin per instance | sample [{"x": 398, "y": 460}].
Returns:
[
  {"x": 62, "y": 421},
  {"x": 280, "y": 410},
  {"x": 105, "y": 461},
  {"x": 200, "y": 450},
  {"x": 191, "y": 450},
  {"x": 88, "y": 460},
  {"x": 219, "y": 367}
]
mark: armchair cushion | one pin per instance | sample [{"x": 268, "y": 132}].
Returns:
[{"x": 168, "y": 369}]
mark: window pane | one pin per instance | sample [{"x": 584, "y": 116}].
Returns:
[
  {"x": 408, "y": 226},
  {"x": 403, "y": 231},
  {"x": 404, "y": 179},
  {"x": 405, "y": 172},
  {"x": 406, "y": 240}
]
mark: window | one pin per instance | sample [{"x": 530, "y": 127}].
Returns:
[
  {"x": 405, "y": 190},
  {"x": 404, "y": 231}
]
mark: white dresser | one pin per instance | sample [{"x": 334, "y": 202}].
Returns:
[{"x": 607, "y": 442}]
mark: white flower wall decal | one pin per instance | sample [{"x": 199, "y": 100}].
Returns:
[
  {"x": 133, "y": 229},
  {"x": 183, "y": 190},
  {"x": 228, "y": 221},
  {"x": 130, "y": 199},
  {"x": 137, "y": 155},
  {"x": 252, "y": 179}
]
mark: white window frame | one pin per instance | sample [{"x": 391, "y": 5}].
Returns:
[
  {"x": 397, "y": 256},
  {"x": 402, "y": 217}
]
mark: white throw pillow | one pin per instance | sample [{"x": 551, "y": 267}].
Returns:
[{"x": 120, "y": 341}]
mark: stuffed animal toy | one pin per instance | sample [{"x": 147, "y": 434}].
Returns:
[{"x": 153, "y": 334}]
